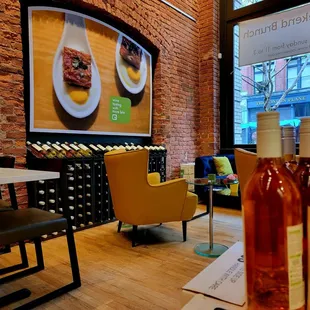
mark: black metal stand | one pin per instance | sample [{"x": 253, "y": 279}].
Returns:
[
  {"x": 134, "y": 235},
  {"x": 184, "y": 227}
]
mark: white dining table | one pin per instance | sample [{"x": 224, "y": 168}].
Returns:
[{"x": 13, "y": 175}]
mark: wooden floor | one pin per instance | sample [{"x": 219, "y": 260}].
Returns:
[{"x": 117, "y": 276}]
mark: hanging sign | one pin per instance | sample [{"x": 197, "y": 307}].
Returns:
[{"x": 275, "y": 36}]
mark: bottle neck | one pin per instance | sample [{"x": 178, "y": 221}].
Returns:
[
  {"x": 269, "y": 143},
  {"x": 288, "y": 146},
  {"x": 304, "y": 147}
]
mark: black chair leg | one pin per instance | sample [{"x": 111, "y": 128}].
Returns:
[
  {"x": 39, "y": 253},
  {"x": 120, "y": 223},
  {"x": 134, "y": 235},
  {"x": 73, "y": 258},
  {"x": 184, "y": 227},
  {"x": 67, "y": 288},
  {"x": 24, "y": 264},
  {"x": 26, "y": 272},
  {"x": 23, "y": 254}
]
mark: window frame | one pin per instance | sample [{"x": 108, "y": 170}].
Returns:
[{"x": 228, "y": 19}]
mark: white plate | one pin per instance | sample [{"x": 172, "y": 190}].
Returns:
[
  {"x": 121, "y": 67},
  {"x": 75, "y": 36}
]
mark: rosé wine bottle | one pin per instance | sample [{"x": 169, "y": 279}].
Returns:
[{"x": 273, "y": 226}]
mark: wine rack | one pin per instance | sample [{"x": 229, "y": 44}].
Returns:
[{"x": 84, "y": 184}]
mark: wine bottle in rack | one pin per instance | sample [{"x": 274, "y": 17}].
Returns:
[
  {"x": 59, "y": 151},
  {"x": 70, "y": 153},
  {"x": 95, "y": 149},
  {"x": 50, "y": 153},
  {"x": 274, "y": 249},
  {"x": 76, "y": 149},
  {"x": 84, "y": 149},
  {"x": 302, "y": 178},
  {"x": 35, "y": 149}
]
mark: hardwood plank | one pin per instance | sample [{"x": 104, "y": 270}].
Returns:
[{"x": 117, "y": 276}]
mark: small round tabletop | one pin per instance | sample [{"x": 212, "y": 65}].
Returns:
[
  {"x": 217, "y": 183},
  {"x": 206, "y": 181}
]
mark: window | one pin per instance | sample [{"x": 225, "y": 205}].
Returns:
[
  {"x": 302, "y": 109},
  {"x": 238, "y": 4},
  {"x": 240, "y": 102},
  {"x": 305, "y": 80},
  {"x": 292, "y": 72},
  {"x": 293, "y": 68},
  {"x": 259, "y": 76}
]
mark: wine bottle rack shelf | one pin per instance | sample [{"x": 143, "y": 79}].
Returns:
[{"x": 84, "y": 184}]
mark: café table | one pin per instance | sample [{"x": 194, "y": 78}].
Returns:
[
  {"x": 210, "y": 249},
  {"x": 9, "y": 176}
]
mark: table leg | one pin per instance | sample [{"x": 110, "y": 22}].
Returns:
[
  {"x": 210, "y": 249},
  {"x": 211, "y": 216}
]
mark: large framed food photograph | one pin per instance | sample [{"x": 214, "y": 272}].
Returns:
[{"x": 85, "y": 76}]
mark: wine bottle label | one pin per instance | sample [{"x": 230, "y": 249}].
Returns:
[
  {"x": 36, "y": 147},
  {"x": 83, "y": 147},
  {"x": 295, "y": 269},
  {"x": 74, "y": 147},
  {"x": 94, "y": 147},
  {"x": 65, "y": 147},
  {"x": 101, "y": 147},
  {"x": 56, "y": 147},
  {"x": 45, "y": 147}
]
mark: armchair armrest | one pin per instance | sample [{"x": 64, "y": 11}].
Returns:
[{"x": 153, "y": 178}]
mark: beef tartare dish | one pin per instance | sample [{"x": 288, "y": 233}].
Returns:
[
  {"x": 76, "y": 68},
  {"x": 131, "y": 53}
]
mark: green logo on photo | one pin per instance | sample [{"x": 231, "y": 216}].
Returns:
[{"x": 120, "y": 108}]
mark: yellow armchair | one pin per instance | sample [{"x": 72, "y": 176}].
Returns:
[{"x": 139, "y": 198}]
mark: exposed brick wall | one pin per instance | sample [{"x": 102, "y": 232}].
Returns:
[
  {"x": 209, "y": 126},
  {"x": 185, "y": 111}
]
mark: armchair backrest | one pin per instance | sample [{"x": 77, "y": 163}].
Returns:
[
  {"x": 127, "y": 176},
  {"x": 246, "y": 163}
]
